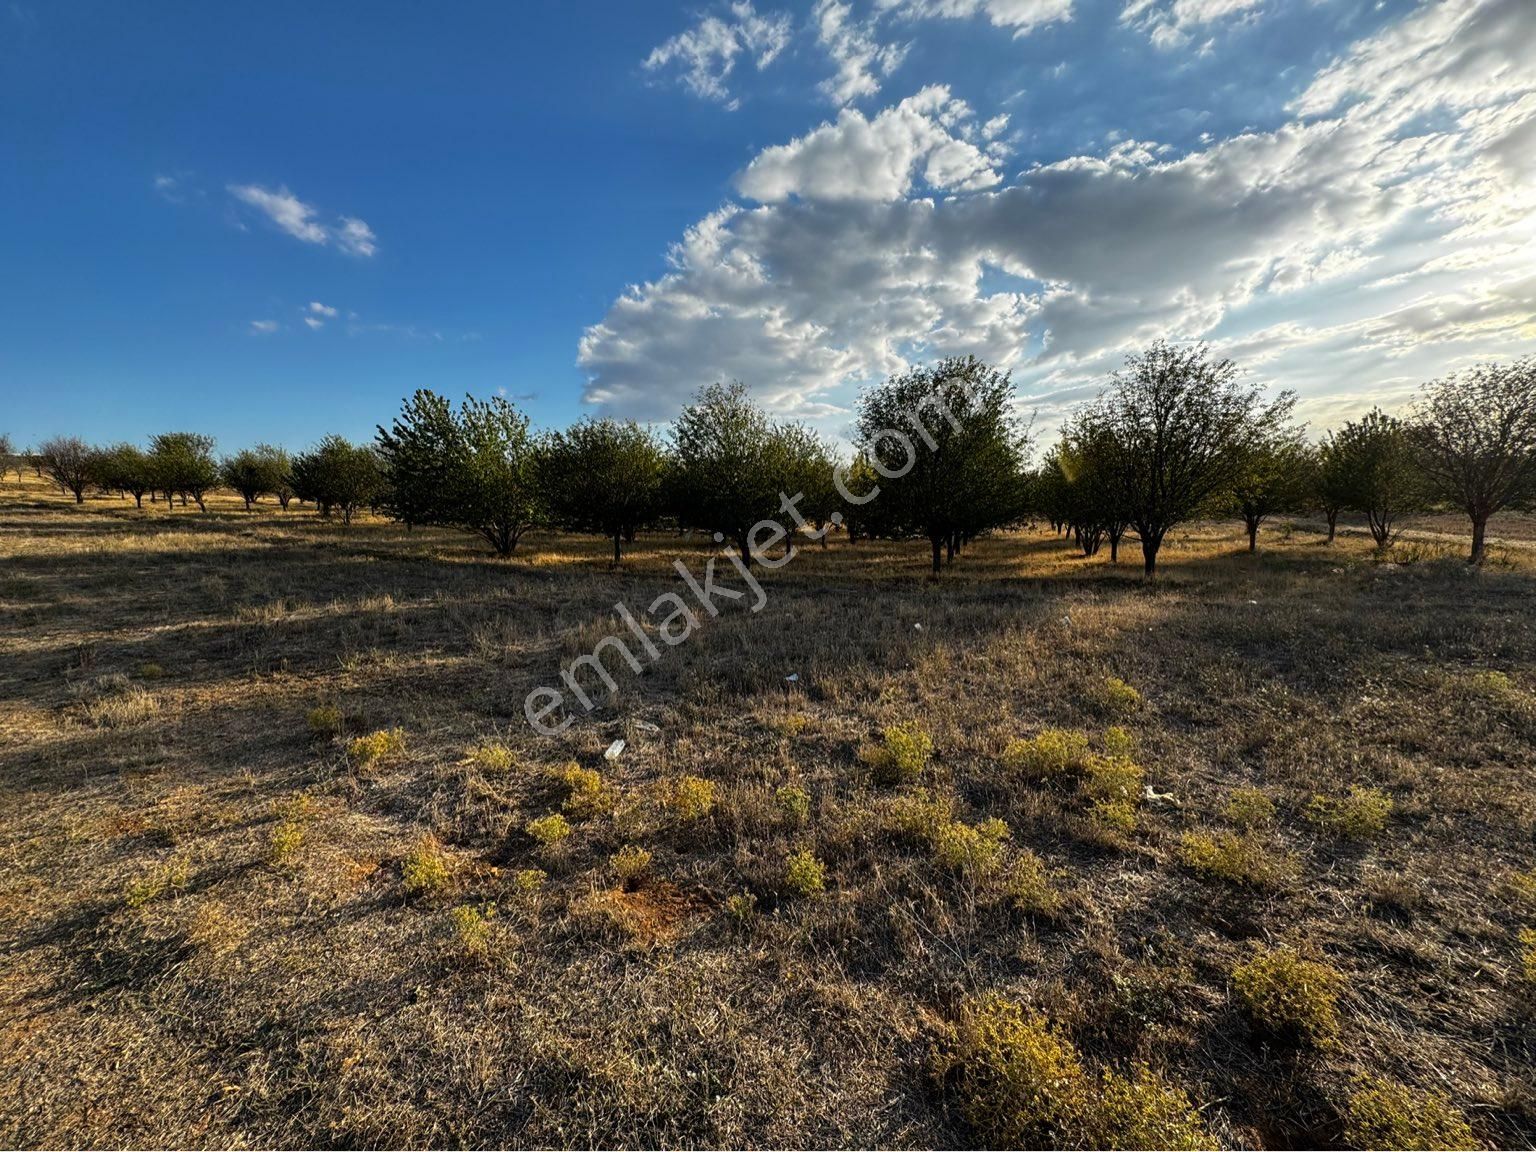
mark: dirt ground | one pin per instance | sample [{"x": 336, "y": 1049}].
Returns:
[{"x": 231, "y": 916}]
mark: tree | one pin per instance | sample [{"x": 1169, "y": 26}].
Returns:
[
  {"x": 1330, "y": 481},
  {"x": 804, "y": 464},
  {"x": 182, "y": 463},
  {"x": 247, "y": 474},
  {"x": 948, "y": 451},
  {"x": 1085, "y": 483},
  {"x": 1182, "y": 421},
  {"x": 727, "y": 456},
  {"x": 125, "y": 468},
  {"x": 1380, "y": 472},
  {"x": 602, "y": 476},
  {"x": 338, "y": 475},
  {"x": 67, "y": 460},
  {"x": 8, "y": 456},
  {"x": 473, "y": 469},
  {"x": 1271, "y": 474},
  {"x": 278, "y": 465},
  {"x": 1477, "y": 437}
]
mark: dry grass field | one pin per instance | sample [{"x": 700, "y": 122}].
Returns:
[{"x": 268, "y": 876}]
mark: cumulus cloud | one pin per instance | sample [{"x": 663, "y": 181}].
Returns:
[
  {"x": 705, "y": 55},
  {"x": 302, "y": 221},
  {"x": 324, "y": 311},
  {"x": 1326, "y": 251},
  {"x": 930, "y": 136},
  {"x": 264, "y": 326},
  {"x": 862, "y": 61}
]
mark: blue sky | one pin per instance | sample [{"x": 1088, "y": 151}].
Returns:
[{"x": 273, "y": 222}]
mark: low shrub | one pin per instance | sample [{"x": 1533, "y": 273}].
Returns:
[
  {"x": 492, "y": 757},
  {"x": 630, "y": 864},
  {"x": 1117, "y": 698},
  {"x": 149, "y": 670},
  {"x": 1358, "y": 815},
  {"x": 903, "y": 754},
  {"x": 1022, "y": 1083},
  {"x": 1385, "y": 1114},
  {"x": 1114, "y": 816},
  {"x": 972, "y": 850},
  {"x": 1290, "y": 998},
  {"x": 284, "y": 843},
  {"x": 804, "y": 875},
  {"x": 587, "y": 794},
  {"x": 326, "y": 720},
  {"x": 794, "y": 803},
  {"x": 1118, "y": 741},
  {"x": 688, "y": 798},
  {"x": 1249, "y": 808},
  {"x": 528, "y": 881},
  {"x": 548, "y": 831},
  {"x": 1112, "y": 778},
  {"x": 1142, "y": 1111},
  {"x": 385, "y": 744},
  {"x": 1054, "y": 752},
  {"x": 426, "y": 869},
  {"x": 1242, "y": 860},
  {"x": 1028, "y": 884},
  {"x": 472, "y": 928},
  {"x": 742, "y": 908}
]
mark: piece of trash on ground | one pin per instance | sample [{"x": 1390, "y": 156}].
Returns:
[{"x": 614, "y": 750}]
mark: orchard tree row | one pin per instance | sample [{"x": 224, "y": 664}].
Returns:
[{"x": 1178, "y": 434}]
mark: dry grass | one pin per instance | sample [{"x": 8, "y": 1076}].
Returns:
[{"x": 226, "y": 924}]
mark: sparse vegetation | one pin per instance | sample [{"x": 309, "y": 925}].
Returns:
[
  {"x": 1249, "y": 808},
  {"x": 1288, "y": 997},
  {"x": 377, "y": 747},
  {"x": 1049, "y": 754},
  {"x": 324, "y": 720},
  {"x": 1243, "y": 860},
  {"x": 903, "y": 754},
  {"x": 1358, "y": 815},
  {"x": 804, "y": 875},
  {"x": 426, "y": 869},
  {"x": 630, "y": 864},
  {"x": 689, "y": 798},
  {"x": 1385, "y": 1114},
  {"x": 548, "y": 831}
]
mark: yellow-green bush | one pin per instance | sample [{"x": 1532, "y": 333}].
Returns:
[
  {"x": 1117, "y": 698},
  {"x": 1522, "y": 888},
  {"x": 1023, "y": 1085},
  {"x": 1288, "y": 997},
  {"x": 689, "y": 798},
  {"x": 1112, "y": 778},
  {"x": 284, "y": 842},
  {"x": 1249, "y": 808},
  {"x": 547, "y": 831},
  {"x": 492, "y": 757},
  {"x": 804, "y": 875},
  {"x": 472, "y": 928},
  {"x": 1118, "y": 741},
  {"x": 794, "y": 803},
  {"x": 426, "y": 869},
  {"x": 630, "y": 863},
  {"x": 528, "y": 881},
  {"x": 1142, "y": 1111},
  {"x": 1114, "y": 815},
  {"x": 970, "y": 849},
  {"x": 742, "y": 908},
  {"x": 1242, "y": 860},
  {"x": 1054, "y": 752},
  {"x": 385, "y": 744},
  {"x": 326, "y": 720},
  {"x": 903, "y": 754},
  {"x": 587, "y": 794},
  {"x": 1385, "y": 1114},
  {"x": 1358, "y": 815},
  {"x": 1028, "y": 884},
  {"x": 1528, "y": 954}
]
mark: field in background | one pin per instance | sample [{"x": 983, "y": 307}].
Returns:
[{"x": 224, "y": 920}]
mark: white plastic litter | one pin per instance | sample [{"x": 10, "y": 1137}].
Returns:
[
  {"x": 792, "y": 678},
  {"x": 647, "y": 726},
  {"x": 614, "y": 750}
]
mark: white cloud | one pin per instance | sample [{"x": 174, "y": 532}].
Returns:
[
  {"x": 325, "y": 311},
  {"x": 314, "y": 323},
  {"x": 861, "y": 60},
  {"x": 860, "y": 159},
  {"x": 1171, "y": 25},
  {"x": 264, "y": 326},
  {"x": 301, "y": 220},
  {"x": 706, "y": 53},
  {"x": 1019, "y": 16},
  {"x": 1326, "y": 250}
]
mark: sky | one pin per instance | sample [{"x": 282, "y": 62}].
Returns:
[{"x": 273, "y": 222}]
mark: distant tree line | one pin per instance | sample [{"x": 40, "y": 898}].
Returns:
[{"x": 1176, "y": 435}]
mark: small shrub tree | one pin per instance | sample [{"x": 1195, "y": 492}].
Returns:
[
  {"x": 602, "y": 476},
  {"x": 1271, "y": 475},
  {"x": 125, "y": 468},
  {"x": 338, "y": 476},
  {"x": 182, "y": 463},
  {"x": 68, "y": 462},
  {"x": 1378, "y": 472},
  {"x": 1477, "y": 435}
]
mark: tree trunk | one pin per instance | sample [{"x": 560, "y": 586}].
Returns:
[
  {"x": 1149, "y": 548},
  {"x": 616, "y": 540},
  {"x": 1253, "y": 533},
  {"x": 1333, "y": 524},
  {"x": 938, "y": 553},
  {"x": 746, "y": 553},
  {"x": 1114, "y": 547},
  {"x": 79, "y": 496},
  {"x": 138, "y": 499},
  {"x": 1479, "y": 539}
]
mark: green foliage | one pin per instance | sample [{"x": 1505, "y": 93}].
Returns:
[
  {"x": 904, "y": 752},
  {"x": 957, "y": 468},
  {"x": 124, "y": 468},
  {"x": 972, "y": 850},
  {"x": 182, "y": 463},
  {"x": 1116, "y": 697},
  {"x": 324, "y": 720},
  {"x": 1028, "y": 884},
  {"x": 1116, "y": 778},
  {"x": 385, "y": 744},
  {"x": 1385, "y": 1114},
  {"x": 256, "y": 472},
  {"x": 602, "y": 476},
  {"x": 472, "y": 928},
  {"x": 1118, "y": 741},
  {"x": 492, "y": 757},
  {"x": 528, "y": 881},
  {"x": 284, "y": 843},
  {"x": 1288, "y": 997},
  {"x": 548, "y": 831},
  {"x": 1142, "y": 1111},
  {"x": 1114, "y": 815},
  {"x": 1273, "y": 475},
  {"x": 426, "y": 870},
  {"x": 1242, "y": 860},
  {"x": 630, "y": 863},
  {"x": 1358, "y": 815},
  {"x": 338, "y": 476},
  {"x": 587, "y": 794},
  {"x": 1051, "y": 753},
  {"x": 1022, "y": 1082},
  {"x": 688, "y": 798},
  {"x": 804, "y": 875},
  {"x": 795, "y": 803},
  {"x": 742, "y": 908},
  {"x": 1249, "y": 808},
  {"x": 70, "y": 463}
]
